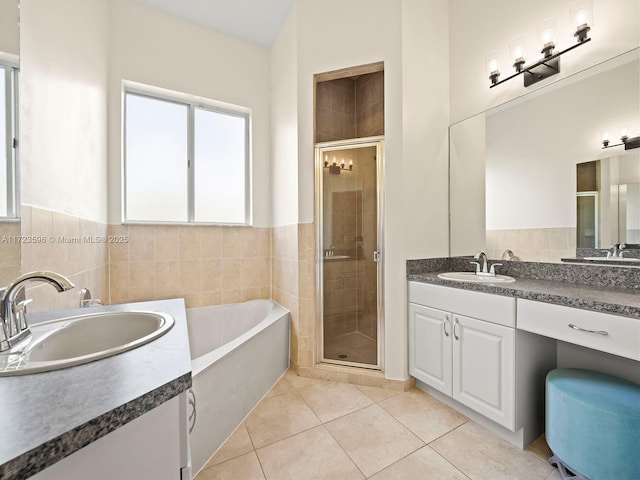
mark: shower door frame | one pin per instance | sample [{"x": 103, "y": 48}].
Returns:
[{"x": 320, "y": 149}]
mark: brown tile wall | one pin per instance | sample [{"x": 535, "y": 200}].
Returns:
[
  {"x": 205, "y": 265},
  {"x": 72, "y": 246},
  {"x": 370, "y": 105},
  {"x": 350, "y": 107},
  {"x": 533, "y": 244}
]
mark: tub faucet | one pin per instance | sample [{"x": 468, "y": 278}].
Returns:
[{"x": 13, "y": 320}]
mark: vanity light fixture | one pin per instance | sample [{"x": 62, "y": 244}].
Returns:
[
  {"x": 335, "y": 168},
  {"x": 549, "y": 65},
  {"x": 625, "y": 139}
]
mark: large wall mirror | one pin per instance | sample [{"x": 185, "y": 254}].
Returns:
[{"x": 514, "y": 169}]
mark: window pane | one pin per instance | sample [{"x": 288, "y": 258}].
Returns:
[
  {"x": 156, "y": 160},
  {"x": 220, "y": 152},
  {"x": 4, "y": 138}
]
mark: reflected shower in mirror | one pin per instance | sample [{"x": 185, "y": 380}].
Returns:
[{"x": 513, "y": 168}]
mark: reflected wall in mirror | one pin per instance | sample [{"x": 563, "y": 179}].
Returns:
[
  {"x": 10, "y": 247},
  {"x": 608, "y": 201},
  {"x": 513, "y": 168}
]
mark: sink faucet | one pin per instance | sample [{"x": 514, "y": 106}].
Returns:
[
  {"x": 482, "y": 265},
  {"x": 13, "y": 321},
  {"x": 616, "y": 250}
]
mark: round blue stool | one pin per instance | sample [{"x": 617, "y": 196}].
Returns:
[{"x": 593, "y": 425}]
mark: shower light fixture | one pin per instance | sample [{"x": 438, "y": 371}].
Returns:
[
  {"x": 335, "y": 168},
  {"x": 581, "y": 18}
]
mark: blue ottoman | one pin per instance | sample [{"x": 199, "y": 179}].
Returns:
[{"x": 593, "y": 424}]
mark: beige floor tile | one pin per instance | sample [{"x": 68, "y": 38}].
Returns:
[
  {"x": 331, "y": 400},
  {"x": 481, "y": 455},
  {"x": 424, "y": 415},
  {"x": 378, "y": 394},
  {"x": 279, "y": 417},
  {"x": 555, "y": 475},
  {"x": 425, "y": 463},
  {"x": 245, "y": 467},
  {"x": 237, "y": 444},
  {"x": 313, "y": 454},
  {"x": 282, "y": 386},
  {"x": 299, "y": 382},
  {"x": 540, "y": 448},
  {"x": 373, "y": 438}
]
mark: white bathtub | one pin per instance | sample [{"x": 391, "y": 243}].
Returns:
[{"x": 237, "y": 353}]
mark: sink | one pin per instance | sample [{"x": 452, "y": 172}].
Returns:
[
  {"x": 473, "y": 278},
  {"x": 613, "y": 259},
  {"x": 76, "y": 340}
]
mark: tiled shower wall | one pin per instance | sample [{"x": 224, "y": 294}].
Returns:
[
  {"x": 350, "y": 107},
  {"x": 533, "y": 244},
  {"x": 11, "y": 252},
  {"x": 205, "y": 265},
  {"x": 72, "y": 246}
]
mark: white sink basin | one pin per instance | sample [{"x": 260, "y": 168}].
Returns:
[
  {"x": 75, "y": 340},
  {"x": 473, "y": 278},
  {"x": 613, "y": 259}
]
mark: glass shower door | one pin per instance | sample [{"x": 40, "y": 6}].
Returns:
[{"x": 349, "y": 253}]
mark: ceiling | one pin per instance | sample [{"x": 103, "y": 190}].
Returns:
[{"x": 257, "y": 21}]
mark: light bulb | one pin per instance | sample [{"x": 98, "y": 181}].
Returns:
[
  {"x": 518, "y": 55},
  {"x": 547, "y": 36},
  {"x": 581, "y": 19},
  {"x": 493, "y": 66}
]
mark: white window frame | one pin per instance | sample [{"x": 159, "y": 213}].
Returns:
[
  {"x": 10, "y": 95},
  {"x": 192, "y": 103}
]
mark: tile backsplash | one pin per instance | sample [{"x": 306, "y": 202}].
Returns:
[
  {"x": 205, "y": 265},
  {"x": 533, "y": 244}
]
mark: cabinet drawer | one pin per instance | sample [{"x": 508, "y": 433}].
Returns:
[
  {"x": 622, "y": 333},
  {"x": 484, "y": 306}
]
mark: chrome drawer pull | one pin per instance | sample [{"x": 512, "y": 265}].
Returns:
[
  {"x": 444, "y": 325},
  {"x": 597, "y": 332}
]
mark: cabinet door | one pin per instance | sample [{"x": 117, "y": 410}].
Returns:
[
  {"x": 430, "y": 346},
  {"x": 483, "y": 368}
]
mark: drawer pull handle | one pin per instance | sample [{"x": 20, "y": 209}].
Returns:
[
  {"x": 597, "y": 332},
  {"x": 444, "y": 325},
  {"x": 455, "y": 323}
]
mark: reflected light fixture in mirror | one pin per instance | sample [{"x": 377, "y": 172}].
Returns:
[
  {"x": 335, "y": 168},
  {"x": 581, "y": 19}
]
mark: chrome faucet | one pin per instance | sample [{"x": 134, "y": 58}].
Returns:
[
  {"x": 13, "y": 320},
  {"x": 617, "y": 250},
  {"x": 482, "y": 265}
]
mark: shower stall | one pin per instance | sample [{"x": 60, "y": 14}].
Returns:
[{"x": 349, "y": 251}]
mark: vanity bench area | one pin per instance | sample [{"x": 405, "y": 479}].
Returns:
[{"x": 486, "y": 348}]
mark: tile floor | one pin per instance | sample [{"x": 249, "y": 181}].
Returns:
[
  {"x": 352, "y": 347},
  {"x": 313, "y": 429}
]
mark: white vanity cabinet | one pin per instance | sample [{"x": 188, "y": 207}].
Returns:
[
  {"x": 464, "y": 344},
  {"x": 469, "y": 359}
]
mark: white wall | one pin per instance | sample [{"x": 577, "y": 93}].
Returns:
[
  {"x": 154, "y": 48},
  {"x": 332, "y": 35},
  {"x": 284, "y": 124},
  {"x": 9, "y": 28},
  {"x": 63, "y": 110},
  {"x": 478, "y": 27}
]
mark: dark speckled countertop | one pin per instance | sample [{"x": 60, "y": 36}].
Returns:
[
  {"x": 47, "y": 416},
  {"x": 612, "y": 290}
]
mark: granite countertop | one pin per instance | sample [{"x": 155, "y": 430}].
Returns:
[
  {"x": 48, "y": 416},
  {"x": 611, "y": 290}
]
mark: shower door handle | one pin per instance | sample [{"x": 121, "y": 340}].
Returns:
[{"x": 377, "y": 256}]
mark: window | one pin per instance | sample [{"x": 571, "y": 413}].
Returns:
[
  {"x": 184, "y": 162},
  {"x": 8, "y": 143}
]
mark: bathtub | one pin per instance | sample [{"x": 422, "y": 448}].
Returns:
[{"x": 237, "y": 353}]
